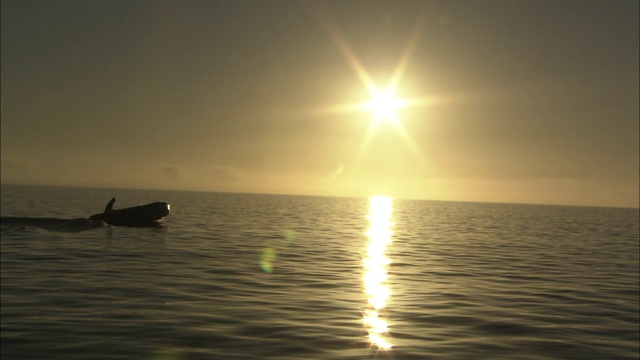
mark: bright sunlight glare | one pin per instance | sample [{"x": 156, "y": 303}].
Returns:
[
  {"x": 375, "y": 266},
  {"x": 383, "y": 105}
]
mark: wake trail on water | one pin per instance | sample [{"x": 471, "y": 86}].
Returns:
[{"x": 10, "y": 223}]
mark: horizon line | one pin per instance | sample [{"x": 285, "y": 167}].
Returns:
[{"x": 97, "y": 187}]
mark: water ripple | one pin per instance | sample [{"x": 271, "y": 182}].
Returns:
[{"x": 466, "y": 281}]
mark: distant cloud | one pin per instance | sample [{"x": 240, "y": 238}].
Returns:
[
  {"x": 15, "y": 168},
  {"x": 14, "y": 162},
  {"x": 172, "y": 172},
  {"x": 225, "y": 173}
]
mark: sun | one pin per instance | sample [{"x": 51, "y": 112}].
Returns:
[{"x": 383, "y": 105}]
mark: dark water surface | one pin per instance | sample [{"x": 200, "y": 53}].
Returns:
[{"x": 233, "y": 276}]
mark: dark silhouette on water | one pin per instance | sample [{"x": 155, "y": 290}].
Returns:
[
  {"x": 137, "y": 216},
  {"x": 143, "y": 215},
  {"x": 109, "y": 207}
]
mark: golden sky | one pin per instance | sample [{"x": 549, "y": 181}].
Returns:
[{"x": 502, "y": 101}]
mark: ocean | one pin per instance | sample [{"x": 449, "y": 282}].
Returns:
[{"x": 247, "y": 276}]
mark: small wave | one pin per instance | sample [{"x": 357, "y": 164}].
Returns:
[{"x": 49, "y": 224}]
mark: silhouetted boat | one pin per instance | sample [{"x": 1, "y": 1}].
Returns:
[{"x": 143, "y": 215}]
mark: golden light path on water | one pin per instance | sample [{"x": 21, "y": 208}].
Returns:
[{"x": 375, "y": 270}]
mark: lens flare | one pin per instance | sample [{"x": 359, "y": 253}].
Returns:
[
  {"x": 267, "y": 259},
  {"x": 375, "y": 270}
]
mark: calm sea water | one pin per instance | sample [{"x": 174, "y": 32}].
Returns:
[{"x": 233, "y": 276}]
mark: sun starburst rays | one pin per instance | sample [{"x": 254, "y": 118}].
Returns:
[{"x": 384, "y": 104}]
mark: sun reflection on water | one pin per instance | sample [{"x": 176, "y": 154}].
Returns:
[{"x": 375, "y": 270}]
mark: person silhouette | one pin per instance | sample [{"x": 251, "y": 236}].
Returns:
[{"x": 109, "y": 208}]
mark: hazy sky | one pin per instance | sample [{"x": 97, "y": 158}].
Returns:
[{"x": 520, "y": 101}]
